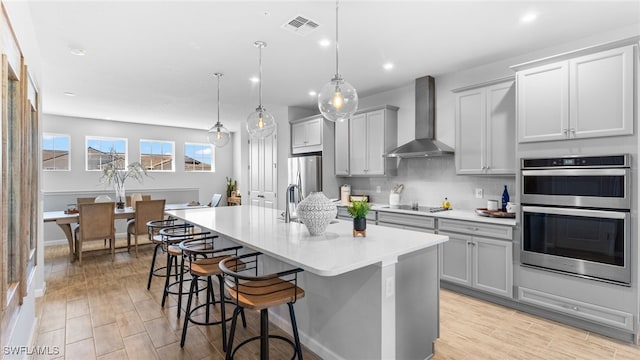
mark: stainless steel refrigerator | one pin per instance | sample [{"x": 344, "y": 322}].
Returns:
[{"x": 306, "y": 173}]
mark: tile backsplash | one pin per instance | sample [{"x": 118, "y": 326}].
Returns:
[{"x": 430, "y": 180}]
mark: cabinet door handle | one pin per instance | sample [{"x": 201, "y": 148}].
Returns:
[
  {"x": 473, "y": 228},
  {"x": 573, "y": 131},
  {"x": 564, "y": 132},
  {"x": 261, "y": 196}
]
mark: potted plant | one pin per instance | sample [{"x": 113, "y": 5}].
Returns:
[
  {"x": 114, "y": 175},
  {"x": 358, "y": 210}
]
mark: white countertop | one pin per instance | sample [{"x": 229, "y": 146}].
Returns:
[
  {"x": 466, "y": 215},
  {"x": 333, "y": 253}
]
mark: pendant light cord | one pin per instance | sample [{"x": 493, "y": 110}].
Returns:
[
  {"x": 260, "y": 72},
  {"x": 337, "y": 46},
  {"x": 218, "y": 76}
]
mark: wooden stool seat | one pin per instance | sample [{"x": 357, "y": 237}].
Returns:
[
  {"x": 174, "y": 250},
  {"x": 262, "y": 294}
]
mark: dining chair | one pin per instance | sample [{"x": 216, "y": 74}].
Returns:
[
  {"x": 128, "y": 199},
  {"x": 85, "y": 200},
  {"x": 96, "y": 223},
  {"x": 146, "y": 211}
]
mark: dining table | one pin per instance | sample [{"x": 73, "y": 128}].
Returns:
[{"x": 65, "y": 219}]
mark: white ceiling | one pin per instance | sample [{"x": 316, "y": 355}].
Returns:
[{"x": 153, "y": 61}]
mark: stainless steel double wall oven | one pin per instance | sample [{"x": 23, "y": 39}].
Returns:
[{"x": 576, "y": 215}]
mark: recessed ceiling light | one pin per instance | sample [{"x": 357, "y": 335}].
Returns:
[
  {"x": 77, "y": 52},
  {"x": 324, "y": 42},
  {"x": 312, "y": 93},
  {"x": 529, "y": 17},
  {"x": 254, "y": 79},
  {"x": 70, "y": 94},
  {"x": 387, "y": 66}
]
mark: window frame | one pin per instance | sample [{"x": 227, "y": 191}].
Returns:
[
  {"x": 56, "y": 135},
  {"x": 213, "y": 155},
  {"x": 106, "y": 138},
  {"x": 173, "y": 154}
]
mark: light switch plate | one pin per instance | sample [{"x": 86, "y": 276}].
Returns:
[
  {"x": 479, "y": 193},
  {"x": 378, "y": 189}
]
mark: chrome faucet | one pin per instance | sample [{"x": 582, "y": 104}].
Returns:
[{"x": 287, "y": 214}]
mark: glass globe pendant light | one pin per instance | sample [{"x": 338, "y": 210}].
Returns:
[
  {"x": 260, "y": 123},
  {"x": 338, "y": 99},
  {"x": 218, "y": 134}
]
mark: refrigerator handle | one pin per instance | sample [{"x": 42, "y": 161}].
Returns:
[{"x": 300, "y": 194}]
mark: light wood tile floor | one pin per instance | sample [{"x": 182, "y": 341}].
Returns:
[
  {"x": 475, "y": 329},
  {"x": 104, "y": 311}
]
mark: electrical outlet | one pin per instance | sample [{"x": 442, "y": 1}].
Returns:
[
  {"x": 479, "y": 193},
  {"x": 378, "y": 189},
  {"x": 390, "y": 286}
]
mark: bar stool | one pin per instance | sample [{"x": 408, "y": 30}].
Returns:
[
  {"x": 153, "y": 231},
  {"x": 171, "y": 237},
  {"x": 260, "y": 293},
  {"x": 203, "y": 262}
]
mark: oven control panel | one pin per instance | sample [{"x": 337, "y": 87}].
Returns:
[{"x": 608, "y": 161}]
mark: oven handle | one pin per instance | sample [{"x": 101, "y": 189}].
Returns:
[
  {"x": 577, "y": 212},
  {"x": 580, "y": 172}
]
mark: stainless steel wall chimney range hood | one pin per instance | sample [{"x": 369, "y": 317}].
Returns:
[{"x": 424, "y": 145}]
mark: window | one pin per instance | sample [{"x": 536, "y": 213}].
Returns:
[
  {"x": 55, "y": 152},
  {"x": 103, "y": 150},
  {"x": 157, "y": 155},
  {"x": 198, "y": 157}
]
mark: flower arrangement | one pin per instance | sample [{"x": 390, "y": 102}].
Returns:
[{"x": 113, "y": 175}]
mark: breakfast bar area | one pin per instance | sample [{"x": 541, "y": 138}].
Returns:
[{"x": 366, "y": 297}]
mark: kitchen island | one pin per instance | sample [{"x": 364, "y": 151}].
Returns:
[{"x": 373, "y": 297}]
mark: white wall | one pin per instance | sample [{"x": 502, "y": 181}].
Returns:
[{"x": 78, "y": 179}]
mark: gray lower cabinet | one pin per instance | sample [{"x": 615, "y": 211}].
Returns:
[
  {"x": 407, "y": 221},
  {"x": 471, "y": 259}
]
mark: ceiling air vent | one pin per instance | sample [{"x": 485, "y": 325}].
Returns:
[{"x": 300, "y": 25}]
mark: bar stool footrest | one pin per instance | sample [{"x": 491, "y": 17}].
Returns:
[
  {"x": 184, "y": 292},
  {"x": 217, "y": 322},
  {"x": 245, "y": 342}
]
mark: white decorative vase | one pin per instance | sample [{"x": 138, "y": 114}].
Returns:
[{"x": 316, "y": 212}]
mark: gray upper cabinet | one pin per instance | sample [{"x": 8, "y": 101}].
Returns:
[
  {"x": 306, "y": 136},
  {"x": 485, "y": 128},
  {"x": 583, "y": 95},
  {"x": 362, "y": 140}
]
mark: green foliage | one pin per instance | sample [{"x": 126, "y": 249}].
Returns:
[
  {"x": 232, "y": 185},
  {"x": 114, "y": 176},
  {"x": 358, "y": 209}
]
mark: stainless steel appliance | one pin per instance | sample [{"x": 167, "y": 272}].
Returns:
[
  {"x": 576, "y": 215},
  {"x": 306, "y": 173}
]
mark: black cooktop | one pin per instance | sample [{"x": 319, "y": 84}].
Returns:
[{"x": 428, "y": 209}]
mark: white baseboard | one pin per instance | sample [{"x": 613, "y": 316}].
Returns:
[{"x": 308, "y": 341}]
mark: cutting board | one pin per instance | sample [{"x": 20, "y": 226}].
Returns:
[{"x": 494, "y": 213}]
